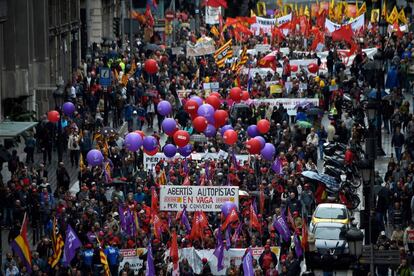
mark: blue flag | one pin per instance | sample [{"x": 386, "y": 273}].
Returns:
[{"x": 72, "y": 243}]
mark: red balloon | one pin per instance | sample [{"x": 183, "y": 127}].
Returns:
[
  {"x": 236, "y": 94},
  {"x": 294, "y": 68},
  {"x": 200, "y": 123},
  {"x": 213, "y": 101},
  {"x": 217, "y": 94},
  {"x": 140, "y": 132},
  {"x": 313, "y": 68},
  {"x": 181, "y": 138},
  {"x": 245, "y": 95},
  {"x": 220, "y": 117},
  {"x": 263, "y": 126},
  {"x": 151, "y": 153},
  {"x": 230, "y": 137},
  {"x": 253, "y": 146},
  {"x": 191, "y": 107},
  {"x": 151, "y": 66},
  {"x": 53, "y": 116}
]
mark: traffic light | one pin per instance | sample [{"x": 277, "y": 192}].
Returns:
[{"x": 116, "y": 25}]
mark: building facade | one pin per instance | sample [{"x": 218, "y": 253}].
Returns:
[{"x": 39, "y": 48}]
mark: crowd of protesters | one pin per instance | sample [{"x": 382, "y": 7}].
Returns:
[{"x": 93, "y": 212}]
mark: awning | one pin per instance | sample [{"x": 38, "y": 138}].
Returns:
[{"x": 10, "y": 129}]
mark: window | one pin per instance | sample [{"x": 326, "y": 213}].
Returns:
[{"x": 331, "y": 213}]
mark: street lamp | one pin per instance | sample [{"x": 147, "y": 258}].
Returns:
[
  {"x": 382, "y": 26},
  {"x": 374, "y": 124}
]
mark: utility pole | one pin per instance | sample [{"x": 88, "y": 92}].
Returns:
[
  {"x": 122, "y": 21},
  {"x": 130, "y": 24},
  {"x": 197, "y": 17}
]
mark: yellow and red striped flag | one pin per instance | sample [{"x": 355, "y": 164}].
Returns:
[
  {"x": 57, "y": 245},
  {"x": 223, "y": 53}
]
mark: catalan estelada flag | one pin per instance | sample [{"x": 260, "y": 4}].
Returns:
[
  {"x": 21, "y": 247},
  {"x": 223, "y": 53},
  {"x": 57, "y": 245}
]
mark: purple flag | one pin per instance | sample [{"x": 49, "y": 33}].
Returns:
[
  {"x": 298, "y": 246},
  {"x": 254, "y": 205},
  {"x": 184, "y": 220},
  {"x": 219, "y": 251},
  {"x": 277, "y": 166},
  {"x": 130, "y": 223},
  {"x": 248, "y": 263},
  {"x": 228, "y": 242},
  {"x": 122, "y": 220},
  {"x": 150, "y": 262},
  {"x": 207, "y": 170},
  {"x": 72, "y": 243},
  {"x": 186, "y": 170},
  {"x": 282, "y": 228},
  {"x": 234, "y": 160}
]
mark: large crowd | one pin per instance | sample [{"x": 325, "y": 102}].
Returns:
[{"x": 94, "y": 211}]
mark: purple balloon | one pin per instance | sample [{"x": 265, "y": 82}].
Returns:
[
  {"x": 252, "y": 131},
  {"x": 186, "y": 150},
  {"x": 168, "y": 125},
  {"x": 133, "y": 141},
  {"x": 206, "y": 110},
  {"x": 262, "y": 141},
  {"x": 94, "y": 157},
  {"x": 210, "y": 131},
  {"x": 210, "y": 119},
  {"x": 150, "y": 143},
  {"x": 268, "y": 152},
  {"x": 227, "y": 207},
  {"x": 170, "y": 150},
  {"x": 198, "y": 100},
  {"x": 164, "y": 108},
  {"x": 68, "y": 108},
  {"x": 225, "y": 128}
]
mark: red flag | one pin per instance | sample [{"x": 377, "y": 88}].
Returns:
[
  {"x": 320, "y": 20},
  {"x": 319, "y": 39},
  {"x": 397, "y": 29},
  {"x": 354, "y": 49},
  {"x": 304, "y": 25},
  {"x": 261, "y": 200},
  {"x": 174, "y": 250},
  {"x": 304, "y": 241},
  {"x": 216, "y": 3},
  {"x": 156, "y": 221},
  {"x": 203, "y": 220},
  {"x": 199, "y": 222},
  {"x": 231, "y": 218},
  {"x": 344, "y": 33},
  {"x": 150, "y": 18},
  {"x": 254, "y": 221},
  {"x": 154, "y": 201}
]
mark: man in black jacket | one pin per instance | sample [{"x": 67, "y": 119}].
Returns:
[{"x": 398, "y": 142}]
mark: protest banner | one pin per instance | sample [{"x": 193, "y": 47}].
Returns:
[
  {"x": 265, "y": 24},
  {"x": 356, "y": 24},
  {"x": 132, "y": 257},
  {"x": 289, "y": 103},
  {"x": 204, "y": 46},
  {"x": 197, "y": 198},
  {"x": 194, "y": 257},
  {"x": 151, "y": 161},
  {"x": 214, "y": 86},
  {"x": 262, "y": 48}
]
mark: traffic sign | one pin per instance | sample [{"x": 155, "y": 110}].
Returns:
[{"x": 105, "y": 76}]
